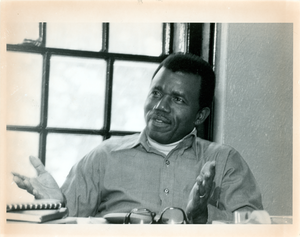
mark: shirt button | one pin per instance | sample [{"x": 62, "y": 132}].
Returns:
[
  {"x": 167, "y": 162},
  {"x": 166, "y": 191}
]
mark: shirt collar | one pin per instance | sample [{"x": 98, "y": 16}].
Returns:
[
  {"x": 187, "y": 141},
  {"x": 142, "y": 139}
]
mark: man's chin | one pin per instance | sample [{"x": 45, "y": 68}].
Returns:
[{"x": 158, "y": 137}]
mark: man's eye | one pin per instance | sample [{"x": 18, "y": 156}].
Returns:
[
  {"x": 156, "y": 93},
  {"x": 178, "y": 100}
]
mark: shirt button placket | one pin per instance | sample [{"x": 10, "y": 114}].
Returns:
[
  {"x": 166, "y": 190},
  {"x": 166, "y": 184}
]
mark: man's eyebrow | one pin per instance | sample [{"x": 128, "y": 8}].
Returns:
[
  {"x": 173, "y": 93},
  {"x": 156, "y": 88},
  {"x": 178, "y": 93}
]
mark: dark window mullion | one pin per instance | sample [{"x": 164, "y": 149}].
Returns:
[
  {"x": 195, "y": 38},
  {"x": 211, "y": 60},
  {"x": 105, "y": 37},
  {"x": 108, "y": 97},
  {"x": 42, "y": 146},
  {"x": 23, "y": 128},
  {"x": 83, "y": 54},
  {"x": 44, "y": 107},
  {"x": 42, "y": 32}
]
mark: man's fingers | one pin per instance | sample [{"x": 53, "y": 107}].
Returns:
[
  {"x": 19, "y": 182},
  {"x": 19, "y": 175},
  {"x": 23, "y": 183},
  {"x": 207, "y": 172},
  {"x": 200, "y": 180},
  {"x": 208, "y": 169},
  {"x": 37, "y": 164},
  {"x": 204, "y": 180}
]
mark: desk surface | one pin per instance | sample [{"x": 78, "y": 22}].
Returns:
[
  {"x": 99, "y": 220},
  {"x": 79, "y": 220}
]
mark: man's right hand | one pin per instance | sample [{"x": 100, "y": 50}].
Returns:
[
  {"x": 43, "y": 186},
  {"x": 197, "y": 204}
]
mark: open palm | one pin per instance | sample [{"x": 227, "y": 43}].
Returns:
[{"x": 43, "y": 186}]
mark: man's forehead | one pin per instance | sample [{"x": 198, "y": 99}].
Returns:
[{"x": 177, "y": 82}]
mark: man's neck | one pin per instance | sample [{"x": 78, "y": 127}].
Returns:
[{"x": 166, "y": 148}]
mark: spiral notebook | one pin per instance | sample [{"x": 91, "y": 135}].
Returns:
[
  {"x": 35, "y": 205},
  {"x": 36, "y": 216},
  {"x": 37, "y": 211}
]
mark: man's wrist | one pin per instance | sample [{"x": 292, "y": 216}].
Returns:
[{"x": 198, "y": 217}]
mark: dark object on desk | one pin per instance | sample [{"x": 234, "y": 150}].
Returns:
[
  {"x": 36, "y": 216},
  {"x": 35, "y": 205}
]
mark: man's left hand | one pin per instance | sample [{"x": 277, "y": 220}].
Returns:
[{"x": 197, "y": 205}]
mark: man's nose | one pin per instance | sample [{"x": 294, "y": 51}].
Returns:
[{"x": 163, "y": 104}]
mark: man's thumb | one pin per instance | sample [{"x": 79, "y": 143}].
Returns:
[{"x": 37, "y": 164}]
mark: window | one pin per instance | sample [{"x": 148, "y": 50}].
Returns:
[{"x": 71, "y": 86}]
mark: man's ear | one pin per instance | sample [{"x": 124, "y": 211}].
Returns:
[{"x": 202, "y": 115}]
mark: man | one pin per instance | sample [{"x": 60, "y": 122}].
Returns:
[{"x": 166, "y": 165}]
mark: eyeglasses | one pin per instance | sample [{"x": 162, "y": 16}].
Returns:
[{"x": 170, "y": 215}]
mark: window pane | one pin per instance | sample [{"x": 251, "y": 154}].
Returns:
[
  {"x": 136, "y": 38},
  {"x": 76, "y": 92},
  {"x": 63, "y": 151},
  {"x": 24, "y": 77},
  {"x": 79, "y": 36},
  {"x": 17, "y": 32},
  {"x": 130, "y": 89},
  {"x": 20, "y": 145}
]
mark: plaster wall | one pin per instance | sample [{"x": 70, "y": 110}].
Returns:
[{"x": 253, "y": 105}]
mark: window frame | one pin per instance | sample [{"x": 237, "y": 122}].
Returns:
[{"x": 193, "y": 37}]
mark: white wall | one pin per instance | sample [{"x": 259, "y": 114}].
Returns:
[{"x": 254, "y": 104}]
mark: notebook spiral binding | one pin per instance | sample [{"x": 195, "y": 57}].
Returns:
[{"x": 36, "y": 205}]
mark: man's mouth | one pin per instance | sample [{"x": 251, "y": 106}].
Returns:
[{"x": 161, "y": 119}]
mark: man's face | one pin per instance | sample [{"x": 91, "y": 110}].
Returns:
[{"x": 172, "y": 106}]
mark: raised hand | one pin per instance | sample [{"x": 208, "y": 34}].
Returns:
[
  {"x": 43, "y": 186},
  {"x": 197, "y": 204}
]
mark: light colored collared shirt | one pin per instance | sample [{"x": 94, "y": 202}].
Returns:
[{"x": 125, "y": 173}]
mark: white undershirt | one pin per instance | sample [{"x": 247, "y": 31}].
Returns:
[{"x": 166, "y": 148}]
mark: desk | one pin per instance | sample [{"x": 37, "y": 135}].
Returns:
[
  {"x": 99, "y": 220},
  {"x": 79, "y": 220}
]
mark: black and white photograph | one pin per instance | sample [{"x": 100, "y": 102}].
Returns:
[{"x": 187, "y": 122}]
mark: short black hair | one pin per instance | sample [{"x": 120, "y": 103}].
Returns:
[{"x": 193, "y": 64}]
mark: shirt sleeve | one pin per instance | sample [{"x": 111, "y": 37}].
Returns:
[
  {"x": 81, "y": 188},
  {"x": 238, "y": 189}
]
